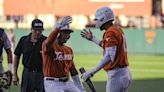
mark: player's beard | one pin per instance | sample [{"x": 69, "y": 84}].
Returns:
[{"x": 61, "y": 41}]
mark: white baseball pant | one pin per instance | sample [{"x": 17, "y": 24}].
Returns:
[
  {"x": 119, "y": 80},
  {"x": 58, "y": 86}
]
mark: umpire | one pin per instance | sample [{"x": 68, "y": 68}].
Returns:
[{"x": 30, "y": 47}]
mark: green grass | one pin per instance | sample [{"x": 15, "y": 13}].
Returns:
[{"x": 147, "y": 72}]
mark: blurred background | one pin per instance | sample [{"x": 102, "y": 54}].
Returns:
[
  {"x": 141, "y": 20},
  {"x": 129, "y": 13}
]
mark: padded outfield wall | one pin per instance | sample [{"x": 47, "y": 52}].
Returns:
[{"x": 139, "y": 41}]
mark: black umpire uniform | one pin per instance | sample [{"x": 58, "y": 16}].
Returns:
[{"x": 32, "y": 77}]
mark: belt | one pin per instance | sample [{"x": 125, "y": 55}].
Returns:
[
  {"x": 32, "y": 70},
  {"x": 117, "y": 67},
  {"x": 63, "y": 79}
]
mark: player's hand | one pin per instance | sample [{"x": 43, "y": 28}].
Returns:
[
  {"x": 87, "y": 34},
  {"x": 15, "y": 79},
  {"x": 86, "y": 75},
  {"x": 65, "y": 21}
]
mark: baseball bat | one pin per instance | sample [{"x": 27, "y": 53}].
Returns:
[{"x": 88, "y": 81}]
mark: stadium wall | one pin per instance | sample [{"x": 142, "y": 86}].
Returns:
[{"x": 139, "y": 41}]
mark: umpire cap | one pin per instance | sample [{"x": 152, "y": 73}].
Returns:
[{"x": 37, "y": 25}]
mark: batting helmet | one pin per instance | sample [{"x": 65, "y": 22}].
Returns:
[{"x": 103, "y": 15}]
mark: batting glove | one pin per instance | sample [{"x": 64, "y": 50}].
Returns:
[
  {"x": 88, "y": 75},
  {"x": 87, "y": 34},
  {"x": 65, "y": 21}
]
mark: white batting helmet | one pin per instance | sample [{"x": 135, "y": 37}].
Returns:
[{"x": 103, "y": 15}]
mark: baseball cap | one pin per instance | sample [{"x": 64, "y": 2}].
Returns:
[
  {"x": 66, "y": 28},
  {"x": 37, "y": 25}
]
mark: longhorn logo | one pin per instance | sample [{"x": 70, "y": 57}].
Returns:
[{"x": 150, "y": 35}]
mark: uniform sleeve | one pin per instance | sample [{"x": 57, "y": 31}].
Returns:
[
  {"x": 18, "y": 49},
  {"x": 110, "y": 40},
  {"x": 6, "y": 41},
  {"x": 52, "y": 36}
]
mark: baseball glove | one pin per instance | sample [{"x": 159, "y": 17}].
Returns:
[{"x": 5, "y": 81}]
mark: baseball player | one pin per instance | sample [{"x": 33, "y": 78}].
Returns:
[
  {"x": 5, "y": 43},
  {"x": 114, "y": 60},
  {"x": 58, "y": 60}
]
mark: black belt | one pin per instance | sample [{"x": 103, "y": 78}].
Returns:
[
  {"x": 116, "y": 67},
  {"x": 58, "y": 79},
  {"x": 33, "y": 70}
]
